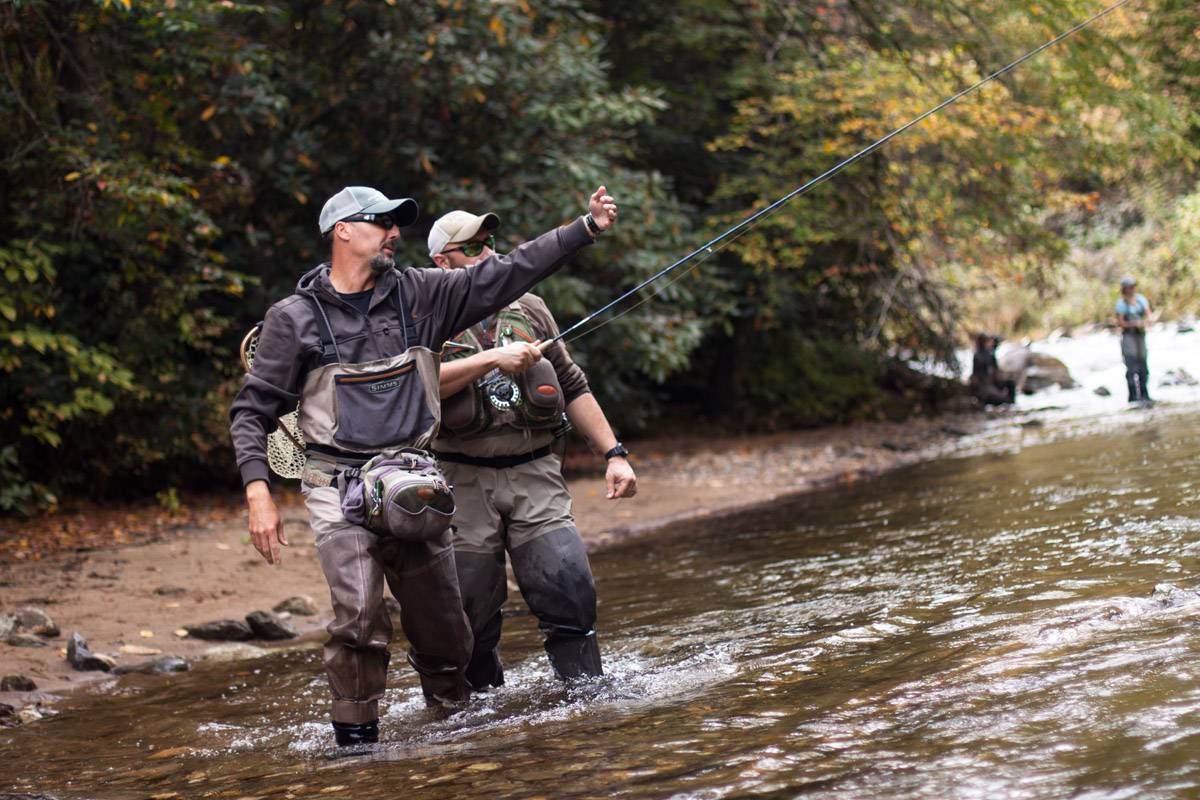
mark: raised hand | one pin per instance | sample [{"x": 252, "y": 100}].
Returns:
[{"x": 603, "y": 208}]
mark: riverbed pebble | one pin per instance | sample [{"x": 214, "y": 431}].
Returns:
[
  {"x": 221, "y": 630},
  {"x": 35, "y": 620},
  {"x": 17, "y": 683},
  {"x": 80, "y": 656},
  {"x": 301, "y": 605},
  {"x": 270, "y": 627},
  {"x": 25, "y": 640},
  {"x": 159, "y": 666}
]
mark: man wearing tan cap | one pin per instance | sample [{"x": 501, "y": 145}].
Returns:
[
  {"x": 356, "y": 345},
  {"x": 504, "y": 395}
]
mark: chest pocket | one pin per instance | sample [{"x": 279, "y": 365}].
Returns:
[{"x": 376, "y": 404}]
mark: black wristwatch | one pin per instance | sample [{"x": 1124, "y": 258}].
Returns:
[
  {"x": 618, "y": 450},
  {"x": 590, "y": 222}
]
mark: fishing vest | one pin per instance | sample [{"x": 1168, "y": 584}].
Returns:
[
  {"x": 531, "y": 400},
  {"x": 365, "y": 408}
]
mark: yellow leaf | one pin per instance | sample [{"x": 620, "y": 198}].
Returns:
[
  {"x": 301, "y": 198},
  {"x": 170, "y": 752},
  {"x": 207, "y": 114},
  {"x": 496, "y": 26},
  {"x": 222, "y": 161},
  {"x": 72, "y": 176}
]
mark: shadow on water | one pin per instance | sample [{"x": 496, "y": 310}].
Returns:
[{"x": 1016, "y": 625}]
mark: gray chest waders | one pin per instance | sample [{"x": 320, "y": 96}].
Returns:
[{"x": 385, "y": 413}]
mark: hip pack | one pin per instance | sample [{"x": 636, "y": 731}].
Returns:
[{"x": 401, "y": 494}]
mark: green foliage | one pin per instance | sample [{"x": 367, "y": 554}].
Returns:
[
  {"x": 163, "y": 165},
  {"x": 801, "y": 381}
]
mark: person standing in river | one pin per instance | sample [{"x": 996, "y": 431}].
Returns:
[
  {"x": 1133, "y": 312},
  {"x": 349, "y": 315},
  {"x": 502, "y": 405},
  {"x": 988, "y": 384}
]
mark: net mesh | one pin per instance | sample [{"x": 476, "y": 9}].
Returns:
[{"x": 285, "y": 445}]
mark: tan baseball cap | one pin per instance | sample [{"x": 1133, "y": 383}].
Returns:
[{"x": 459, "y": 226}]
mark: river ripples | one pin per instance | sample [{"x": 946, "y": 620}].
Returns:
[{"x": 1015, "y": 625}]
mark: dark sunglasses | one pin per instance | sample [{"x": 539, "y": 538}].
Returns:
[
  {"x": 382, "y": 220},
  {"x": 472, "y": 249}
]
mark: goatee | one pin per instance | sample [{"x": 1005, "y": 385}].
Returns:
[{"x": 381, "y": 263}]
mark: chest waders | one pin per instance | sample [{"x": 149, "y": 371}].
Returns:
[
  {"x": 548, "y": 558},
  {"x": 381, "y": 412},
  {"x": 531, "y": 400}
]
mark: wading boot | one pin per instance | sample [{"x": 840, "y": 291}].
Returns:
[{"x": 356, "y": 734}]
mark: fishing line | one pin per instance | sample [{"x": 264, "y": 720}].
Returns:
[{"x": 718, "y": 243}]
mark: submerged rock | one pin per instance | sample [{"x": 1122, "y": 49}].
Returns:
[
  {"x": 270, "y": 627},
  {"x": 36, "y": 621},
  {"x": 17, "y": 683},
  {"x": 1102, "y": 391},
  {"x": 221, "y": 630},
  {"x": 1168, "y": 595},
  {"x": 82, "y": 658},
  {"x": 301, "y": 605},
  {"x": 233, "y": 652},
  {"x": 1178, "y": 377},
  {"x": 159, "y": 666}
]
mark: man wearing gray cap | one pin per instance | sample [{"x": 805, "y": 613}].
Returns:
[
  {"x": 502, "y": 404},
  {"x": 1133, "y": 312},
  {"x": 355, "y": 345}
]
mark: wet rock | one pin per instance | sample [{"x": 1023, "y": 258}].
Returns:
[
  {"x": 8, "y": 625},
  {"x": 1168, "y": 595},
  {"x": 82, "y": 658},
  {"x": 270, "y": 627},
  {"x": 1102, "y": 391},
  {"x": 1035, "y": 371},
  {"x": 29, "y": 714},
  {"x": 36, "y": 621},
  {"x": 221, "y": 630},
  {"x": 233, "y": 652},
  {"x": 16, "y": 683},
  {"x": 301, "y": 605},
  {"x": 6, "y": 711},
  {"x": 159, "y": 666},
  {"x": 25, "y": 640}
]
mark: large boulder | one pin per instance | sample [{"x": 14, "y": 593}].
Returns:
[{"x": 1034, "y": 371}]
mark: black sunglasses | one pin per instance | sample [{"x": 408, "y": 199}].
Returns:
[
  {"x": 382, "y": 220},
  {"x": 474, "y": 248}
]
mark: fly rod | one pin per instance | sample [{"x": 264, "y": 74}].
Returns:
[{"x": 707, "y": 247}]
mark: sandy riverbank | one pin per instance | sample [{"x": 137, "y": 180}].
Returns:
[{"x": 137, "y": 596}]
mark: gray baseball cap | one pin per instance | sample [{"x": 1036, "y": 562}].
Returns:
[
  {"x": 459, "y": 226},
  {"x": 365, "y": 200},
  {"x": 1127, "y": 281}
]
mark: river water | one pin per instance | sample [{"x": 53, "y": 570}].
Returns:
[{"x": 1015, "y": 624}]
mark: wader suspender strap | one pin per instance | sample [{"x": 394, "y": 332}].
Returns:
[{"x": 329, "y": 348}]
